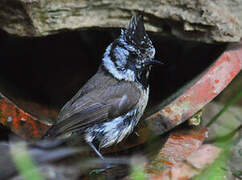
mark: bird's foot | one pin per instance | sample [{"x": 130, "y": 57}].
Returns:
[{"x": 101, "y": 170}]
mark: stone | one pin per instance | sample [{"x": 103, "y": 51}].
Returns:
[{"x": 201, "y": 20}]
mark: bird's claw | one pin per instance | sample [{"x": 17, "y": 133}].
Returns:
[{"x": 101, "y": 170}]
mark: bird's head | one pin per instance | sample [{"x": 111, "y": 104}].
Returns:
[{"x": 128, "y": 56}]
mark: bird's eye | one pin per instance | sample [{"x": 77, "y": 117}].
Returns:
[
  {"x": 120, "y": 68},
  {"x": 134, "y": 55}
]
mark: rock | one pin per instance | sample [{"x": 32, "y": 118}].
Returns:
[
  {"x": 205, "y": 155},
  {"x": 180, "y": 144},
  {"x": 201, "y": 20},
  {"x": 194, "y": 164}
]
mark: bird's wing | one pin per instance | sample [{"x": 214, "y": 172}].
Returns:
[
  {"x": 97, "y": 106},
  {"x": 99, "y": 81}
]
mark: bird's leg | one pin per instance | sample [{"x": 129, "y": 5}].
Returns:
[
  {"x": 108, "y": 166},
  {"x": 96, "y": 151}
]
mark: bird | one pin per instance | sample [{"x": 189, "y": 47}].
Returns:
[{"x": 111, "y": 103}]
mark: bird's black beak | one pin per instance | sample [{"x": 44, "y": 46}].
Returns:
[{"x": 153, "y": 62}]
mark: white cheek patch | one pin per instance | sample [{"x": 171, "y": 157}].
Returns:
[
  {"x": 127, "y": 74},
  {"x": 121, "y": 55},
  {"x": 152, "y": 52}
]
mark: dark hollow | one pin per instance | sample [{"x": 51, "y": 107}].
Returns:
[{"x": 50, "y": 70}]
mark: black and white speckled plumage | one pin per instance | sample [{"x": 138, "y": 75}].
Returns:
[{"x": 108, "y": 107}]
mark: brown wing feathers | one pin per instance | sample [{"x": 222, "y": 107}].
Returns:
[
  {"x": 96, "y": 106},
  {"x": 80, "y": 120}
]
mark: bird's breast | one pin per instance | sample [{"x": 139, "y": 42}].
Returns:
[
  {"x": 142, "y": 103},
  {"x": 114, "y": 131}
]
